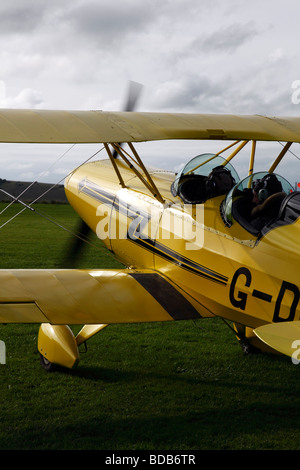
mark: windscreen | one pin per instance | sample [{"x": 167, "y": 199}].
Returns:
[{"x": 201, "y": 165}]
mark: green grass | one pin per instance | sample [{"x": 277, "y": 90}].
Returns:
[{"x": 166, "y": 386}]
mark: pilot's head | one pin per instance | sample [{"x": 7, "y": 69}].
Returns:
[
  {"x": 265, "y": 187},
  {"x": 219, "y": 181}
]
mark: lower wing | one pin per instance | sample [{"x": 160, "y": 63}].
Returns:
[
  {"x": 73, "y": 297},
  {"x": 284, "y": 337}
]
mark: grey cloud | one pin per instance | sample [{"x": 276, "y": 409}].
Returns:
[
  {"x": 232, "y": 94},
  {"x": 228, "y": 39},
  {"x": 21, "y": 17},
  {"x": 186, "y": 94},
  {"x": 27, "y": 98},
  {"x": 93, "y": 18},
  {"x": 109, "y": 22}
]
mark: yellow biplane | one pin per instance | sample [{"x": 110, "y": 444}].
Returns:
[{"x": 195, "y": 244}]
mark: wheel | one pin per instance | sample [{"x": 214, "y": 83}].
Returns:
[
  {"x": 247, "y": 348},
  {"x": 47, "y": 365}
]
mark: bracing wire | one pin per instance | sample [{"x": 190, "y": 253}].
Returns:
[
  {"x": 29, "y": 206},
  {"x": 41, "y": 174},
  {"x": 296, "y": 156}
]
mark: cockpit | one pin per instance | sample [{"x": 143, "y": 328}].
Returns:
[
  {"x": 260, "y": 202},
  {"x": 204, "y": 177}
]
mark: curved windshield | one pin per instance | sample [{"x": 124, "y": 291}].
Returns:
[
  {"x": 255, "y": 201},
  {"x": 191, "y": 183}
]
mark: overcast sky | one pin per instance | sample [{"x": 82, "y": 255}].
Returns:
[{"x": 232, "y": 56}]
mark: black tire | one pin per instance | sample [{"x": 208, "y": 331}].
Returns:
[
  {"x": 248, "y": 349},
  {"x": 47, "y": 365}
]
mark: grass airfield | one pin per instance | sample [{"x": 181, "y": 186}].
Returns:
[{"x": 160, "y": 386}]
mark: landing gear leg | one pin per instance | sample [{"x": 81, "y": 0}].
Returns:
[
  {"x": 57, "y": 346},
  {"x": 248, "y": 348}
]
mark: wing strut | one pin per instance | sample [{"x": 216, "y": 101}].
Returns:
[
  {"x": 112, "y": 159},
  {"x": 235, "y": 152},
  {"x": 231, "y": 156},
  {"x": 280, "y": 156},
  {"x": 142, "y": 166},
  {"x": 136, "y": 162},
  {"x": 252, "y": 157}
]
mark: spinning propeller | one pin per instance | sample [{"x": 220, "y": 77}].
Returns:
[{"x": 83, "y": 231}]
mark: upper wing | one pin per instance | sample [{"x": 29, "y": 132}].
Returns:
[
  {"x": 91, "y": 297},
  {"x": 49, "y": 126}
]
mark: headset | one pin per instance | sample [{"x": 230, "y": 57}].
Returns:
[{"x": 266, "y": 186}]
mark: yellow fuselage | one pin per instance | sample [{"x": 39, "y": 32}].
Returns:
[{"x": 225, "y": 270}]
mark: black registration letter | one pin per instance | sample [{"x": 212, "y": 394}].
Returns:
[
  {"x": 294, "y": 289},
  {"x": 240, "y": 301}
]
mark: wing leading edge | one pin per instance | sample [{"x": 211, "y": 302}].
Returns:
[
  {"x": 91, "y": 297},
  {"x": 50, "y": 126}
]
